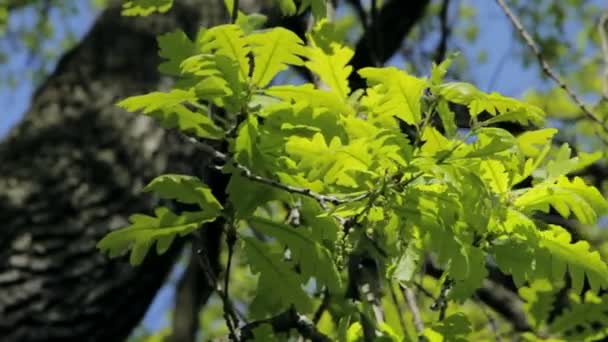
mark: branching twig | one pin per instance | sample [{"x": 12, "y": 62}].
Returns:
[
  {"x": 547, "y": 68},
  {"x": 247, "y": 173},
  {"x": 229, "y": 311}
]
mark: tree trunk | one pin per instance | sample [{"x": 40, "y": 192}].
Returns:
[{"x": 72, "y": 170}]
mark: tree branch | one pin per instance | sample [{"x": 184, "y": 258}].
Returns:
[
  {"x": 284, "y": 322},
  {"x": 548, "y": 70},
  {"x": 395, "y": 20},
  {"x": 442, "y": 46},
  {"x": 247, "y": 173}
]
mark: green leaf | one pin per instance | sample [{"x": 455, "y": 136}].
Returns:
[
  {"x": 288, "y": 7},
  {"x": 273, "y": 297},
  {"x": 579, "y": 319},
  {"x": 408, "y": 265},
  {"x": 184, "y": 189},
  {"x": 334, "y": 163},
  {"x": 401, "y": 93},
  {"x": 145, "y": 7},
  {"x": 330, "y": 63},
  {"x": 319, "y": 8},
  {"x": 495, "y": 174},
  {"x": 502, "y": 108},
  {"x": 175, "y": 47},
  {"x": 448, "y": 118},
  {"x": 532, "y": 143},
  {"x": 576, "y": 257},
  {"x": 454, "y": 328},
  {"x": 145, "y": 230},
  {"x": 246, "y": 196},
  {"x": 490, "y": 142},
  {"x": 314, "y": 259},
  {"x": 468, "y": 269},
  {"x": 439, "y": 71},
  {"x": 273, "y": 51},
  {"x": 562, "y": 164},
  {"x": 539, "y": 298},
  {"x": 566, "y": 196},
  {"x": 314, "y": 97},
  {"x": 227, "y": 41},
  {"x": 167, "y": 108}
]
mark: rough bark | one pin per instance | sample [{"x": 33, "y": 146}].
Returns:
[{"x": 72, "y": 170}]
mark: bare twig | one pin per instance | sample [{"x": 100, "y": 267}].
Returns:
[
  {"x": 547, "y": 68},
  {"x": 410, "y": 298},
  {"x": 229, "y": 311}
]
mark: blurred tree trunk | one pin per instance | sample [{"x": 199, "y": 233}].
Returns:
[{"x": 72, "y": 170}]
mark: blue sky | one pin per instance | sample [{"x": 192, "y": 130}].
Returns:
[{"x": 496, "y": 38}]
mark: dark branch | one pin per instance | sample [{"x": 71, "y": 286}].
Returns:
[
  {"x": 442, "y": 46},
  {"x": 394, "y": 20},
  {"x": 552, "y": 74},
  {"x": 284, "y": 322}
]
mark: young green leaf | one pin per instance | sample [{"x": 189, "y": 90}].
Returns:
[
  {"x": 145, "y": 7},
  {"x": 271, "y": 298},
  {"x": 314, "y": 259},
  {"x": 562, "y": 254},
  {"x": 227, "y": 41},
  {"x": 175, "y": 47},
  {"x": 185, "y": 189},
  {"x": 145, "y": 230},
  {"x": 273, "y": 51},
  {"x": 167, "y": 108},
  {"x": 401, "y": 93}
]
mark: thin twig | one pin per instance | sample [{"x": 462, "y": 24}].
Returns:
[
  {"x": 410, "y": 298},
  {"x": 547, "y": 68},
  {"x": 377, "y": 40},
  {"x": 247, "y": 173},
  {"x": 231, "y": 238},
  {"x": 229, "y": 312},
  {"x": 322, "y": 308},
  {"x": 499, "y": 66}
]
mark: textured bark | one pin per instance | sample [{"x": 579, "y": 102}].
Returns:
[{"x": 72, "y": 170}]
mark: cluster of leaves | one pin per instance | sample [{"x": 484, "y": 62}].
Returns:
[{"x": 321, "y": 175}]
